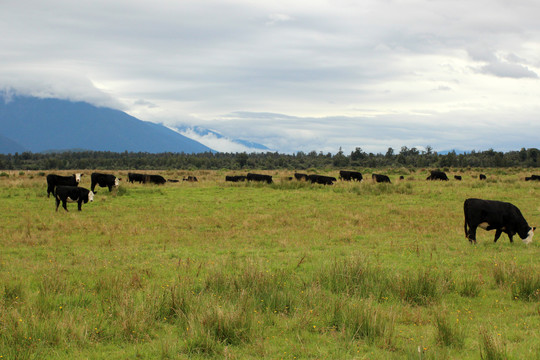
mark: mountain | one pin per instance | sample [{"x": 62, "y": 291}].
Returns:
[
  {"x": 207, "y": 134},
  {"x": 37, "y": 125}
]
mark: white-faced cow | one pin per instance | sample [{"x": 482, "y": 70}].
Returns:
[
  {"x": 76, "y": 194},
  {"x": 498, "y": 215},
  {"x": 103, "y": 180},
  {"x": 57, "y": 180}
]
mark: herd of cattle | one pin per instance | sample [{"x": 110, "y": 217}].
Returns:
[{"x": 485, "y": 214}]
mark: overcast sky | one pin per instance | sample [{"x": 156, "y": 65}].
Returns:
[{"x": 292, "y": 75}]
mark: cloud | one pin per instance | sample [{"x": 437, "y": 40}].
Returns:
[{"x": 346, "y": 73}]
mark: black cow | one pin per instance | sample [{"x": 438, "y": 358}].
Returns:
[
  {"x": 482, "y": 177},
  {"x": 533, "y": 178},
  {"x": 498, "y": 215},
  {"x": 173, "y": 180},
  {"x": 437, "y": 175},
  {"x": 301, "y": 177},
  {"x": 259, "y": 177},
  {"x": 72, "y": 194},
  {"x": 457, "y": 177},
  {"x": 154, "y": 179},
  {"x": 190, "y": 178},
  {"x": 350, "y": 175},
  {"x": 235, "y": 178},
  {"x": 103, "y": 180},
  {"x": 401, "y": 177},
  {"x": 380, "y": 178},
  {"x": 322, "y": 179},
  {"x": 132, "y": 177},
  {"x": 57, "y": 180}
]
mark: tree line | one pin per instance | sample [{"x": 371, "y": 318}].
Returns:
[{"x": 409, "y": 158}]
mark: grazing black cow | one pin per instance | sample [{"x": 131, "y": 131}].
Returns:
[
  {"x": 380, "y": 178},
  {"x": 235, "y": 178},
  {"x": 350, "y": 175},
  {"x": 132, "y": 177},
  {"x": 259, "y": 177},
  {"x": 457, "y": 177},
  {"x": 498, "y": 215},
  {"x": 322, "y": 179},
  {"x": 533, "y": 178},
  {"x": 402, "y": 177},
  {"x": 154, "y": 179},
  {"x": 482, "y": 177},
  {"x": 103, "y": 180},
  {"x": 190, "y": 178},
  {"x": 437, "y": 175},
  {"x": 67, "y": 194},
  {"x": 301, "y": 177},
  {"x": 173, "y": 180},
  {"x": 57, "y": 180}
]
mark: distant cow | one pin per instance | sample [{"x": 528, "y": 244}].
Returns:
[
  {"x": 322, "y": 179},
  {"x": 498, "y": 215},
  {"x": 437, "y": 175},
  {"x": 457, "y": 177},
  {"x": 154, "y": 179},
  {"x": 190, "y": 179},
  {"x": 350, "y": 175},
  {"x": 173, "y": 180},
  {"x": 76, "y": 194},
  {"x": 401, "y": 177},
  {"x": 103, "y": 180},
  {"x": 533, "y": 178},
  {"x": 300, "y": 176},
  {"x": 380, "y": 178},
  {"x": 235, "y": 178},
  {"x": 482, "y": 177},
  {"x": 57, "y": 180},
  {"x": 259, "y": 177},
  {"x": 132, "y": 177}
]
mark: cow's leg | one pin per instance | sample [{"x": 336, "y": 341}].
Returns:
[
  {"x": 57, "y": 203},
  {"x": 498, "y": 233},
  {"x": 79, "y": 205},
  {"x": 110, "y": 188},
  {"x": 511, "y": 237},
  {"x": 64, "y": 204},
  {"x": 472, "y": 235}
]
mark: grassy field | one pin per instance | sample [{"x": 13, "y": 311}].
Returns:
[{"x": 283, "y": 271}]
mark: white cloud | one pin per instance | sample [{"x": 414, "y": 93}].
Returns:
[{"x": 417, "y": 62}]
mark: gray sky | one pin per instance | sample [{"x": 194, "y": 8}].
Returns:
[{"x": 292, "y": 75}]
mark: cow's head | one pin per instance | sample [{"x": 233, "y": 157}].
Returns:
[
  {"x": 90, "y": 196},
  {"x": 78, "y": 177},
  {"x": 116, "y": 182},
  {"x": 529, "y": 237}
]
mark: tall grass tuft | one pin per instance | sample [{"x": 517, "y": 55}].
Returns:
[
  {"x": 491, "y": 347},
  {"x": 355, "y": 277},
  {"x": 448, "y": 334},
  {"x": 469, "y": 287},
  {"x": 526, "y": 286},
  {"x": 361, "y": 320},
  {"x": 420, "y": 289}
]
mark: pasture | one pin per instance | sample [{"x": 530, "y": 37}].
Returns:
[{"x": 289, "y": 270}]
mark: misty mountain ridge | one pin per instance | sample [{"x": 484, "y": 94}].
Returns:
[
  {"x": 38, "y": 125},
  {"x": 205, "y": 133}
]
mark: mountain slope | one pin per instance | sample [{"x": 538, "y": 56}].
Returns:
[{"x": 47, "y": 124}]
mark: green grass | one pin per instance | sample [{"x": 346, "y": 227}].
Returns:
[{"x": 249, "y": 271}]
